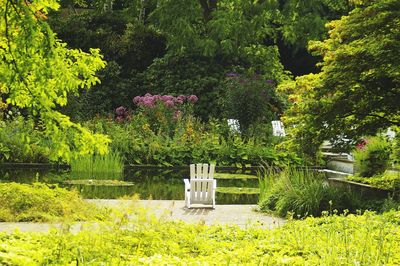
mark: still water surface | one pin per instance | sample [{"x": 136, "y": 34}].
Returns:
[{"x": 148, "y": 183}]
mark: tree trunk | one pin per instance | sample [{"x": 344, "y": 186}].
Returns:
[{"x": 208, "y": 7}]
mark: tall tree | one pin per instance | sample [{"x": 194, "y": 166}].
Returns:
[
  {"x": 37, "y": 72},
  {"x": 357, "y": 91},
  {"x": 244, "y": 29}
]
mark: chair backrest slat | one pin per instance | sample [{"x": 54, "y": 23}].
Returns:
[
  {"x": 212, "y": 170},
  {"x": 192, "y": 171},
  {"x": 198, "y": 171},
  {"x": 202, "y": 171}
]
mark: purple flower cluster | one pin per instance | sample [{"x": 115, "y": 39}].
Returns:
[
  {"x": 121, "y": 113},
  {"x": 170, "y": 101}
]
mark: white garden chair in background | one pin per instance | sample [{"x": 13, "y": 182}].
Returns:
[
  {"x": 278, "y": 129},
  {"x": 234, "y": 125},
  {"x": 200, "y": 189}
]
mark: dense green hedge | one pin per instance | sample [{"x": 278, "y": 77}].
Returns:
[{"x": 368, "y": 239}]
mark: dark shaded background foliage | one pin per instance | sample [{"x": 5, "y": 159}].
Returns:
[
  {"x": 128, "y": 47},
  {"x": 179, "y": 47}
]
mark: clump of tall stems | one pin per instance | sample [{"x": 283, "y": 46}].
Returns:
[
  {"x": 302, "y": 192},
  {"x": 92, "y": 166}
]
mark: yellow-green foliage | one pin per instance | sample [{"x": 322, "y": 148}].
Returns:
[
  {"x": 369, "y": 239},
  {"x": 354, "y": 93},
  {"x": 40, "y": 202},
  {"x": 38, "y": 72}
]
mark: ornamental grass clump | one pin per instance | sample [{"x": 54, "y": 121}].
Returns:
[
  {"x": 302, "y": 192},
  {"x": 44, "y": 203},
  {"x": 92, "y": 166}
]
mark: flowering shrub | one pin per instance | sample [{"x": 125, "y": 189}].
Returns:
[
  {"x": 121, "y": 113},
  {"x": 372, "y": 156},
  {"x": 149, "y": 100},
  {"x": 361, "y": 144},
  {"x": 163, "y": 111}
]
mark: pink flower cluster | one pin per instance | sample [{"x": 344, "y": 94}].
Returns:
[
  {"x": 170, "y": 101},
  {"x": 361, "y": 145}
]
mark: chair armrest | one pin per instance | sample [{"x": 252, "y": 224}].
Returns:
[{"x": 187, "y": 184}]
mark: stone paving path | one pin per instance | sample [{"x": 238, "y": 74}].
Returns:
[{"x": 242, "y": 215}]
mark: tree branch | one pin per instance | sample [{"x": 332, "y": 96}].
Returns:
[
  {"x": 7, "y": 35},
  {"x": 393, "y": 122}
]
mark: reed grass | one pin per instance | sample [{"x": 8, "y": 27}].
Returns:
[
  {"x": 303, "y": 193},
  {"x": 109, "y": 166}
]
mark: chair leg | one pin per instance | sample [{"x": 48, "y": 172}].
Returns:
[{"x": 187, "y": 200}]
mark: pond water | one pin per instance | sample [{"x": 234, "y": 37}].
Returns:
[{"x": 148, "y": 183}]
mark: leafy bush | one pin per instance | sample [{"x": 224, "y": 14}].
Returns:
[
  {"x": 43, "y": 203},
  {"x": 368, "y": 239},
  {"x": 250, "y": 99},
  {"x": 3, "y": 108},
  {"x": 302, "y": 193},
  {"x": 192, "y": 141},
  {"x": 372, "y": 157},
  {"x": 20, "y": 141}
]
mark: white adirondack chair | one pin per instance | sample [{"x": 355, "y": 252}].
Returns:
[
  {"x": 200, "y": 189},
  {"x": 278, "y": 129}
]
